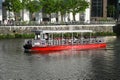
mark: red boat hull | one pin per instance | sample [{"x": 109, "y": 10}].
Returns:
[{"x": 68, "y": 47}]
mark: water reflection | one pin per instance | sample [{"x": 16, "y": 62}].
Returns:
[{"x": 63, "y": 65}]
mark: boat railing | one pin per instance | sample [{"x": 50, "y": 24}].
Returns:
[{"x": 49, "y": 42}]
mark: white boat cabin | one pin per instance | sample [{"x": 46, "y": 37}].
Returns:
[{"x": 55, "y": 37}]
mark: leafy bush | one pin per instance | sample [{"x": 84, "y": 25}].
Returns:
[
  {"x": 18, "y": 35},
  {"x": 28, "y": 35},
  {"x": 12, "y": 36},
  {"x": 104, "y": 34},
  {"x": 9, "y": 36}
]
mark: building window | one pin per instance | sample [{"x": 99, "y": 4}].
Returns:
[
  {"x": 97, "y": 8},
  {"x": 0, "y": 4}
]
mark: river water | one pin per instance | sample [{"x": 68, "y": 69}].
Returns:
[{"x": 64, "y": 65}]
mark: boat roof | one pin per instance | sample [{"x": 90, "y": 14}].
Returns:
[{"x": 62, "y": 31}]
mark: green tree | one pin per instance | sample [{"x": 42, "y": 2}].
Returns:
[
  {"x": 13, "y": 6},
  {"x": 33, "y": 6},
  {"x": 54, "y": 6},
  {"x": 76, "y": 6},
  {"x": 61, "y": 6},
  {"x": 49, "y": 6},
  {"x": 111, "y": 10}
]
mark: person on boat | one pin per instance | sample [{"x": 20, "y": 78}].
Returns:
[
  {"x": 75, "y": 39},
  {"x": 28, "y": 45},
  {"x": 29, "y": 42},
  {"x": 46, "y": 36}
]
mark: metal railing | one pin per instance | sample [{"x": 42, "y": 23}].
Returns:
[
  {"x": 36, "y": 23},
  {"x": 55, "y": 42}
]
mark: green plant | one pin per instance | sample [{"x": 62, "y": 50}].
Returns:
[{"x": 28, "y": 35}]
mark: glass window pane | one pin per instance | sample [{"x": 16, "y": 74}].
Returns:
[{"x": 97, "y": 8}]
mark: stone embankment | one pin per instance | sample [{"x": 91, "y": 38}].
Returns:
[{"x": 28, "y": 29}]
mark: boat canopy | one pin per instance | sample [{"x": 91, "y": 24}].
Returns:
[{"x": 63, "y": 31}]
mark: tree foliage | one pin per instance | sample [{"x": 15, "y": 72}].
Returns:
[
  {"x": 25, "y": 2},
  {"x": 76, "y": 6},
  {"x": 61, "y": 6},
  {"x": 33, "y": 6},
  {"x": 111, "y": 10},
  {"x": 13, "y": 6},
  {"x": 48, "y": 6}
]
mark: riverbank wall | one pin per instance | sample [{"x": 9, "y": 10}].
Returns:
[{"x": 28, "y": 29}]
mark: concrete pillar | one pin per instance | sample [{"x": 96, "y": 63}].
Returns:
[
  {"x": 105, "y": 8},
  {"x": 0, "y": 10},
  {"x": 77, "y": 17},
  {"x": 39, "y": 17},
  {"x": 53, "y": 18},
  {"x": 66, "y": 17},
  {"x": 71, "y": 16},
  {"x": 59, "y": 17},
  {"x": 87, "y": 13},
  {"x": 26, "y": 15}
]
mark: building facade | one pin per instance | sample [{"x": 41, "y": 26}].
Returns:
[
  {"x": 118, "y": 10},
  {"x": 98, "y": 9}
]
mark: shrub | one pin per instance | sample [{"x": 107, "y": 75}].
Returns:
[
  {"x": 18, "y": 35},
  {"x": 28, "y": 35}
]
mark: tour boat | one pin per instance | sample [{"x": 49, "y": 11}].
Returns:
[{"x": 57, "y": 40}]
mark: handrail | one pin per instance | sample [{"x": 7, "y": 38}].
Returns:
[
  {"x": 44, "y": 23},
  {"x": 56, "y": 42}
]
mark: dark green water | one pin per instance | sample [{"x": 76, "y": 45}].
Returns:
[{"x": 64, "y": 65}]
